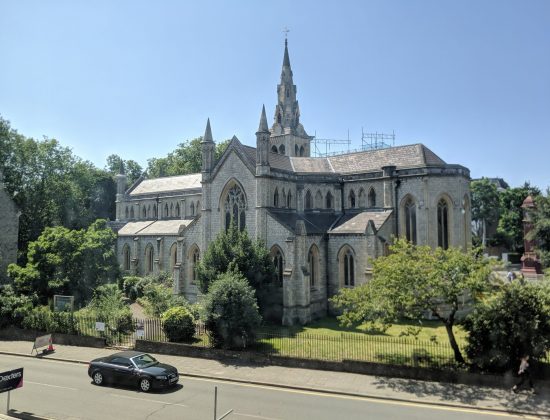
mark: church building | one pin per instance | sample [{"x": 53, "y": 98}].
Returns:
[{"x": 322, "y": 218}]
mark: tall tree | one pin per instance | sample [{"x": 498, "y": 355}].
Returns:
[
  {"x": 132, "y": 169},
  {"x": 68, "y": 262},
  {"x": 510, "y": 222},
  {"x": 186, "y": 159},
  {"x": 412, "y": 281},
  {"x": 540, "y": 232},
  {"x": 484, "y": 207}
]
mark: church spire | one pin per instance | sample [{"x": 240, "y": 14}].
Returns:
[
  {"x": 263, "y": 122},
  {"x": 286, "y": 59},
  {"x": 207, "y": 133}
]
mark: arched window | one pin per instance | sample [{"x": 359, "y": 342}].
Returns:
[
  {"x": 126, "y": 258},
  {"x": 442, "y": 224},
  {"x": 289, "y": 200},
  {"x": 173, "y": 255},
  {"x": 192, "y": 209},
  {"x": 126, "y": 212},
  {"x": 132, "y": 213},
  {"x": 328, "y": 200},
  {"x": 346, "y": 267},
  {"x": 309, "y": 200},
  {"x": 318, "y": 200},
  {"x": 198, "y": 207},
  {"x": 155, "y": 211},
  {"x": 362, "y": 199},
  {"x": 302, "y": 151},
  {"x": 274, "y": 149},
  {"x": 144, "y": 213},
  {"x": 178, "y": 211},
  {"x": 149, "y": 259},
  {"x": 410, "y": 221},
  {"x": 276, "y": 198},
  {"x": 234, "y": 208},
  {"x": 351, "y": 199},
  {"x": 278, "y": 262},
  {"x": 313, "y": 264},
  {"x": 287, "y": 93},
  {"x": 172, "y": 210},
  {"x": 166, "y": 210},
  {"x": 284, "y": 198},
  {"x": 279, "y": 118},
  {"x": 282, "y": 149},
  {"x": 372, "y": 198},
  {"x": 194, "y": 258},
  {"x": 296, "y": 150}
]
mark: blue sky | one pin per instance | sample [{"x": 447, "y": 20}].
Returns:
[{"x": 469, "y": 79}]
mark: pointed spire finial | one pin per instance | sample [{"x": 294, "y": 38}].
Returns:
[
  {"x": 263, "y": 122},
  {"x": 286, "y": 60},
  {"x": 207, "y": 133}
]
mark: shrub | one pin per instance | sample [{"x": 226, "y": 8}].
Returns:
[
  {"x": 512, "y": 323},
  {"x": 132, "y": 286},
  {"x": 158, "y": 298},
  {"x": 42, "y": 318},
  {"x": 178, "y": 324},
  {"x": 231, "y": 311},
  {"x": 13, "y": 307}
]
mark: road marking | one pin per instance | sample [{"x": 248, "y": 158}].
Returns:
[
  {"x": 480, "y": 410},
  {"x": 148, "y": 400},
  {"x": 255, "y": 417},
  {"x": 50, "y": 385}
]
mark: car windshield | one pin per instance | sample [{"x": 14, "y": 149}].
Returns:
[{"x": 144, "y": 360}]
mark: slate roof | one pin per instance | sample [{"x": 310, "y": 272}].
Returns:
[
  {"x": 357, "y": 223},
  {"x": 154, "y": 227},
  {"x": 315, "y": 223},
  {"x": 410, "y": 156},
  {"x": 166, "y": 184}
]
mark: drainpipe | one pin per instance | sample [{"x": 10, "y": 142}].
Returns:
[{"x": 396, "y": 207}]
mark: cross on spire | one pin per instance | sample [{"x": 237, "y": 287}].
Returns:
[{"x": 286, "y": 31}]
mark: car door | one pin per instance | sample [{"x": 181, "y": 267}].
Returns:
[{"x": 123, "y": 370}]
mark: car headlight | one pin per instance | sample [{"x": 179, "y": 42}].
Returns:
[{"x": 162, "y": 377}]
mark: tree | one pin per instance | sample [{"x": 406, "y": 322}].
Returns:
[
  {"x": 508, "y": 325},
  {"x": 68, "y": 262},
  {"x": 510, "y": 222},
  {"x": 540, "y": 232},
  {"x": 186, "y": 159},
  {"x": 235, "y": 247},
  {"x": 132, "y": 169},
  {"x": 231, "y": 311},
  {"x": 415, "y": 280},
  {"x": 484, "y": 207},
  {"x": 51, "y": 186}
]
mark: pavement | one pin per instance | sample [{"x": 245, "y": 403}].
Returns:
[{"x": 374, "y": 387}]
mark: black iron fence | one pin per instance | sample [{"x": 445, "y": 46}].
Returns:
[{"x": 336, "y": 347}]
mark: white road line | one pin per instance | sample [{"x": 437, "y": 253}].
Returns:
[
  {"x": 50, "y": 385},
  {"x": 255, "y": 417},
  {"x": 148, "y": 400}
]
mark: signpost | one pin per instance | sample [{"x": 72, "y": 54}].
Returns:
[{"x": 9, "y": 380}]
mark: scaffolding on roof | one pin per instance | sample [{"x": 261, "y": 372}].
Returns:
[{"x": 369, "y": 141}]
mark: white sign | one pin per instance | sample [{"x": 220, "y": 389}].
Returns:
[
  {"x": 100, "y": 326},
  {"x": 140, "y": 333}
]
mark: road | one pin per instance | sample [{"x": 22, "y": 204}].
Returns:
[{"x": 61, "y": 390}]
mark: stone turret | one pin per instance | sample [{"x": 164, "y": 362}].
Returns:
[
  {"x": 207, "y": 148},
  {"x": 262, "y": 145},
  {"x": 120, "y": 180}
]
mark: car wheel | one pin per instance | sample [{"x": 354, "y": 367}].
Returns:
[
  {"x": 145, "y": 384},
  {"x": 98, "y": 378}
]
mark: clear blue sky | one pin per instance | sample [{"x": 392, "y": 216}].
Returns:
[{"x": 469, "y": 79}]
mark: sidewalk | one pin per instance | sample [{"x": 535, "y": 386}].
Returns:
[{"x": 323, "y": 381}]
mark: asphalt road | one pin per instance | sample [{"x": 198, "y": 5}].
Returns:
[{"x": 60, "y": 390}]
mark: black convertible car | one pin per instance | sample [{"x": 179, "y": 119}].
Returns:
[{"x": 133, "y": 368}]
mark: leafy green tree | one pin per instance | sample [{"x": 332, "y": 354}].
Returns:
[
  {"x": 540, "y": 232},
  {"x": 68, "y": 262},
  {"x": 230, "y": 310},
  {"x": 186, "y": 159},
  {"x": 235, "y": 247},
  {"x": 412, "y": 281},
  {"x": 178, "y": 324},
  {"x": 513, "y": 322},
  {"x": 157, "y": 299},
  {"x": 13, "y": 307},
  {"x": 132, "y": 169},
  {"x": 510, "y": 222},
  {"x": 51, "y": 186},
  {"x": 484, "y": 207}
]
